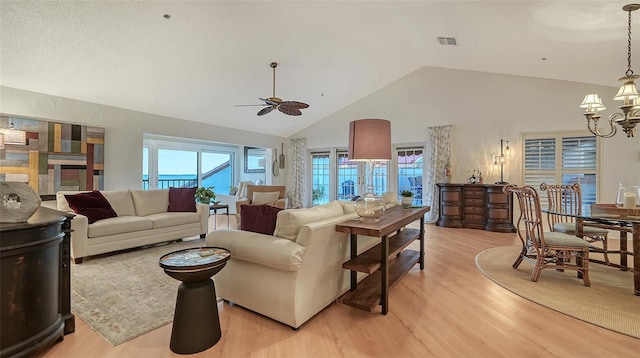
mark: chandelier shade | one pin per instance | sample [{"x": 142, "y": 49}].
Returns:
[
  {"x": 592, "y": 103},
  {"x": 628, "y": 94},
  {"x": 627, "y": 91}
]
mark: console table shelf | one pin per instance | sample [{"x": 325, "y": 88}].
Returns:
[
  {"x": 387, "y": 262},
  {"x": 368, "y": 294},
  {"x": 369, "y": 261}
]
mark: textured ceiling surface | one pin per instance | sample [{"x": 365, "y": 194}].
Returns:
[{"x": 211, "y": 55}]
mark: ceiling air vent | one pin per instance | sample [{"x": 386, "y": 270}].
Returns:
[{"x": 447, "y": 41}]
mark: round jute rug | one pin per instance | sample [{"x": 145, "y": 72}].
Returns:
[{"x": 608, "y": 303}]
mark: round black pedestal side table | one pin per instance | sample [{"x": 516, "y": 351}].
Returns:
[{"x": 196, "y": 325}]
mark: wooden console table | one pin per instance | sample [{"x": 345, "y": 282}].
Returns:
[
  {"x": 386, "y": 262},
  {"x": 475, "y": 206},
  {"x": 35, "y": 295}
]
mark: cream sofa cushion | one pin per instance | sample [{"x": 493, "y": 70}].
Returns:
[
  {"x": 289, "y": 221},
  {"x": 120, "y": 201},
  {"x": 349, "y": 207},
  {"x": 148, "y": 202},
  {"x": 118, "y": 225},
  {"x": 260, "y": 198},
  {"x": 173, "y": 218}
]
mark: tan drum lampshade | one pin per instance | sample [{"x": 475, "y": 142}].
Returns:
[{"x": 370, "y": 139}]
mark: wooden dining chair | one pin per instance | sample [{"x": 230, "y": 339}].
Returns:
[
  {"x": 567, "y": 199},
  {"x": 546, "y": 250}
]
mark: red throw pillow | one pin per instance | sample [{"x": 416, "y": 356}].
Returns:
[
  {"x": 259, "y": 218},
  {"x": 93, "y": 205},
  {"x": 182, "y": 199}
]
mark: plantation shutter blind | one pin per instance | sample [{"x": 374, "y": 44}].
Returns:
[
  {"x": 558, "y": 159},
  {"x": 579, "y": 164},
  {"x": 539, "y": 161}
]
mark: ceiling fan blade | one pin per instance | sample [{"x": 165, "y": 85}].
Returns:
[
  {"x": 264, "y": 111},
  {"x": 292, "y": 111},
  {"x": 294, "y": 104},
  {"x": 270, "y": 101}
]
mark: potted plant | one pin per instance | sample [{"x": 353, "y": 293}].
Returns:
[
  {"x": 407, "y": 197},
  {"x": 205, "y": 195}
]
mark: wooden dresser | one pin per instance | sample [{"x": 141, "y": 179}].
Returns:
[{"x": 475, "y": 206}]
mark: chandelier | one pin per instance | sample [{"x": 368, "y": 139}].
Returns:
[{"x": 628, "y": 93}]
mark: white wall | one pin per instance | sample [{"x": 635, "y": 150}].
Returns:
[
  {"x": 124, "y": 130},
  {"x": 483, "y": 108}
]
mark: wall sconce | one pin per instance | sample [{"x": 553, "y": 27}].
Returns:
[{"x": 499, "y": 160}]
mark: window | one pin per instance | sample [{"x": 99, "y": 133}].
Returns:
[
  {"x": 177, "y": 168},
  {"x": 320, "y": 172},
  {"x": 348, "y": 179},
  {"x": 380, "y": 176},
  {"x": 176, "y": 162},
  {"x": 565, "y": 159},
  {"x": 216, "y": 171},
  {"x": 410, "y": 171},
  {"x": 351, "y": 179}
]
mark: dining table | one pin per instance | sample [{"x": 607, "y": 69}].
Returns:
[{"x": 624, "y": 220}]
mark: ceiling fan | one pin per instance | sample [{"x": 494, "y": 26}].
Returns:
[{"x": 291, "y": 108}]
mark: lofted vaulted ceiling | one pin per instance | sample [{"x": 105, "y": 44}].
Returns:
[{"x": 210, "y": 55}]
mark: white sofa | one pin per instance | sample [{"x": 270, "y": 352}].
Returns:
[
  {"x": 142, "y": 219},
  {"x": 295, "y": 273}
]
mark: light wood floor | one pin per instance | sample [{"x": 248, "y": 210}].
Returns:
[{"x": 448, "y": 310}]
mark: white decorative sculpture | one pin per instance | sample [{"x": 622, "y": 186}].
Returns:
[{"x": 18, "y": 202}]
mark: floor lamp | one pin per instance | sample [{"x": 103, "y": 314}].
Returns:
[{"x": 369, "y": 141}]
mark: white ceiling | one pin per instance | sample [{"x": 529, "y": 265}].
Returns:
[{"x": 211, "y": 55}]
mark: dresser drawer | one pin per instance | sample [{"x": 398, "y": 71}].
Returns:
[
  {"x": 474, "y": 210},
  {"x": 473, "y": 218},
  {"x": 474, "y": 201},
  {"x": 474, "y": 193}
]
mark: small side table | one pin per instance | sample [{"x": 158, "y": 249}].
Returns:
[
  {"x": 215, "y": 208},
  {"x": 196, "y": 324}
]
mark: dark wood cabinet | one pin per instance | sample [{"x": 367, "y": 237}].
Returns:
[
  {"x": 475, "y": 206},
  {"x": 35, "y": 288}
]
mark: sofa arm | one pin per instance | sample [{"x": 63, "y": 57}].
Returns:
[
  {"x": 203, "y": 212},
  {"x": 266, "y": 250},
  {"x": 281, "y": 203},
  {"x": 79, "y": 236},
  {"x": 240, "y": 202}
]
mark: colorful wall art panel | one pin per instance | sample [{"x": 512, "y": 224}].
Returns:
[{"x": 51, "y": 156}]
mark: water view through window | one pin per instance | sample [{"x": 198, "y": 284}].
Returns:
[{"x": 179, "y": 169}]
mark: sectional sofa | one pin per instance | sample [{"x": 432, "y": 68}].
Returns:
[{"x": 296, "y": 272}]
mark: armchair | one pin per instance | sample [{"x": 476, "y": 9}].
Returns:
[
  {"x": 281, "y": 201},
  {"x": 232, "y": 199}
]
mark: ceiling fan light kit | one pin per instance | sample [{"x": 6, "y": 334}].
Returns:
[{"x": 291, "y": 108}]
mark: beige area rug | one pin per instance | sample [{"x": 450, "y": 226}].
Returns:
[
  {"x": 125, "y": 295},
  {"x": 608, "y": 303}
]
